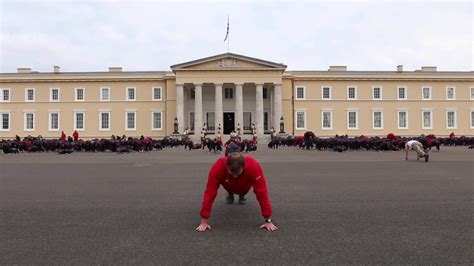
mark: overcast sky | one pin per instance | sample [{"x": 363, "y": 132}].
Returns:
[{"x": 147, "y": 35}]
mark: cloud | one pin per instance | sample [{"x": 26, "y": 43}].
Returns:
[{"x": 90, "y": 35}]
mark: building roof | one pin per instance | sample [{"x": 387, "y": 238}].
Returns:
[
  {"x": 229, "y": 55},
  {"x": 37, "y": 73},
  {"x": 334, "y": 72}
]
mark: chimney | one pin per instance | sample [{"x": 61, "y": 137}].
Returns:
[
  {"x": 115, "y": 69},
  {"x": 56, "y": 69},
  {"x": 400, "y": 68},
  {"x": 23, "y": 70},
  {"x": 337, "y": 68},
  {"x": 428, "y": 69}
]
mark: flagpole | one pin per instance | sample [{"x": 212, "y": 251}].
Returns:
[
  {"x": 227, "y": 35},
  {"x": 228, "y": 39}
]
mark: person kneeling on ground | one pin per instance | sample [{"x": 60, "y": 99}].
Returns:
[
  {"x": 418, "y": 148},
  {"x": 237, "y": 174}
]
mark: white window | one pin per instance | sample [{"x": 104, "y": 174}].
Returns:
[
  {"x": 450, "y": 93},
  {"x": 427, "y": 119},
  {"x": 130, "y": 94},
  {"x": 210, "y": 118},
  {"x": 326, "y": 93},
  {"x": 352, "y": 93},
  {"x": 156, "y": 94},
  {"x": 402, "y": 119},
  {"x": 352, "y": 120},
  {"x": 377, "y": 93},
  {"x": 79, "y": 94},
  {"x": 377, "y": 119},
  {"x": 29, "y": 95},
  {"x": 54, "y": 94},
  {"x": 79, "y": 121},
  {"x": 426, "y": 93},
  {"x": 104, "y": 121},
  {"x": 326, "y": 119},
  {"x": 472, "y": 93},
  {"x": 300, "y": 93},
  {"x": 130, "y": 121},
  {"x": 53, "y": 121},
  {"x": 105, "y": 94},
  {"x": 472, "y": 118},
  {"x": 29, "y": 124},
  {"x": 156, "y": 120},
  {"x": 300, "y": 120},
  {"x": 5, "y": 95},
  {"x": 402, "y": 93},
  {"x": 228, "y": 93},
  {"x": 5, "y": 116},
  {"x": 451, "y": 119}
]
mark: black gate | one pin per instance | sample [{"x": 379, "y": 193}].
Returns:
[{"x": 229, "y": 124}]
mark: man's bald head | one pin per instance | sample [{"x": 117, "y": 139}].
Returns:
[{"x": 235, "y": 163}]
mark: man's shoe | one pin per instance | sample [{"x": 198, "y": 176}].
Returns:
[
  {"x": 242, "y": 200},
  {"x": 427, "y": 157},
  {"x": 230, "y": 198}
]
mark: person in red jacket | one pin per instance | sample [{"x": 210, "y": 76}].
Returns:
[
  {"x": 63, "y": 136},
  {"x": 237, "y": 174},
  {"x": 75, "y": 135}
]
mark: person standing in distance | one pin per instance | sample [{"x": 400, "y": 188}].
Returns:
[{"x": 237, "y": 174}]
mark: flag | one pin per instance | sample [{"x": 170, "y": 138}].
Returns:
[{"x": 227, "y": 33}]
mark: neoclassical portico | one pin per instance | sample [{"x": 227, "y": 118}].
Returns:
[
  {"x": 235, "y": 105},
  {"x": 244, "y": 91}
]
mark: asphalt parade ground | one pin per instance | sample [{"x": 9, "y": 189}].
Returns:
[{"x": 356, "y": 207}]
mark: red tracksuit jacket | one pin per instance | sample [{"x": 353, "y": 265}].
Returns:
[{"x": 252, "y": 176}]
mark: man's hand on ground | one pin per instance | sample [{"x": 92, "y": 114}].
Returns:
[
  {"x": 203, "y": 226},
  {"x": 269, "y": 226}
]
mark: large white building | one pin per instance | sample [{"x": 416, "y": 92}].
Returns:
[{"x": 230, "y": 90}]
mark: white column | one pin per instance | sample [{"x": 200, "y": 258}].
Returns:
[
  {"x": 277, "y": 107},
  {"x": 218, "y": 113},
  {"x": 259, "y": 109},
  {"x": 239, "y": 107},
  {"x": 180, "y": 107},
  {"x": 197, "y": 109}
]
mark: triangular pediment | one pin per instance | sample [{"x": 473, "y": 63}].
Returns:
[{"x": 228, "y": 61}]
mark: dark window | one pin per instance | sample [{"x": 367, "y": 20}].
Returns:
[
  {"x": 228, "y": 93},
  {"x": 265, "y": 93},
  {"x": 191, "y": 121},
  {"x": 193, "y": 94},
  {"x": 247, "y": 121}
]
